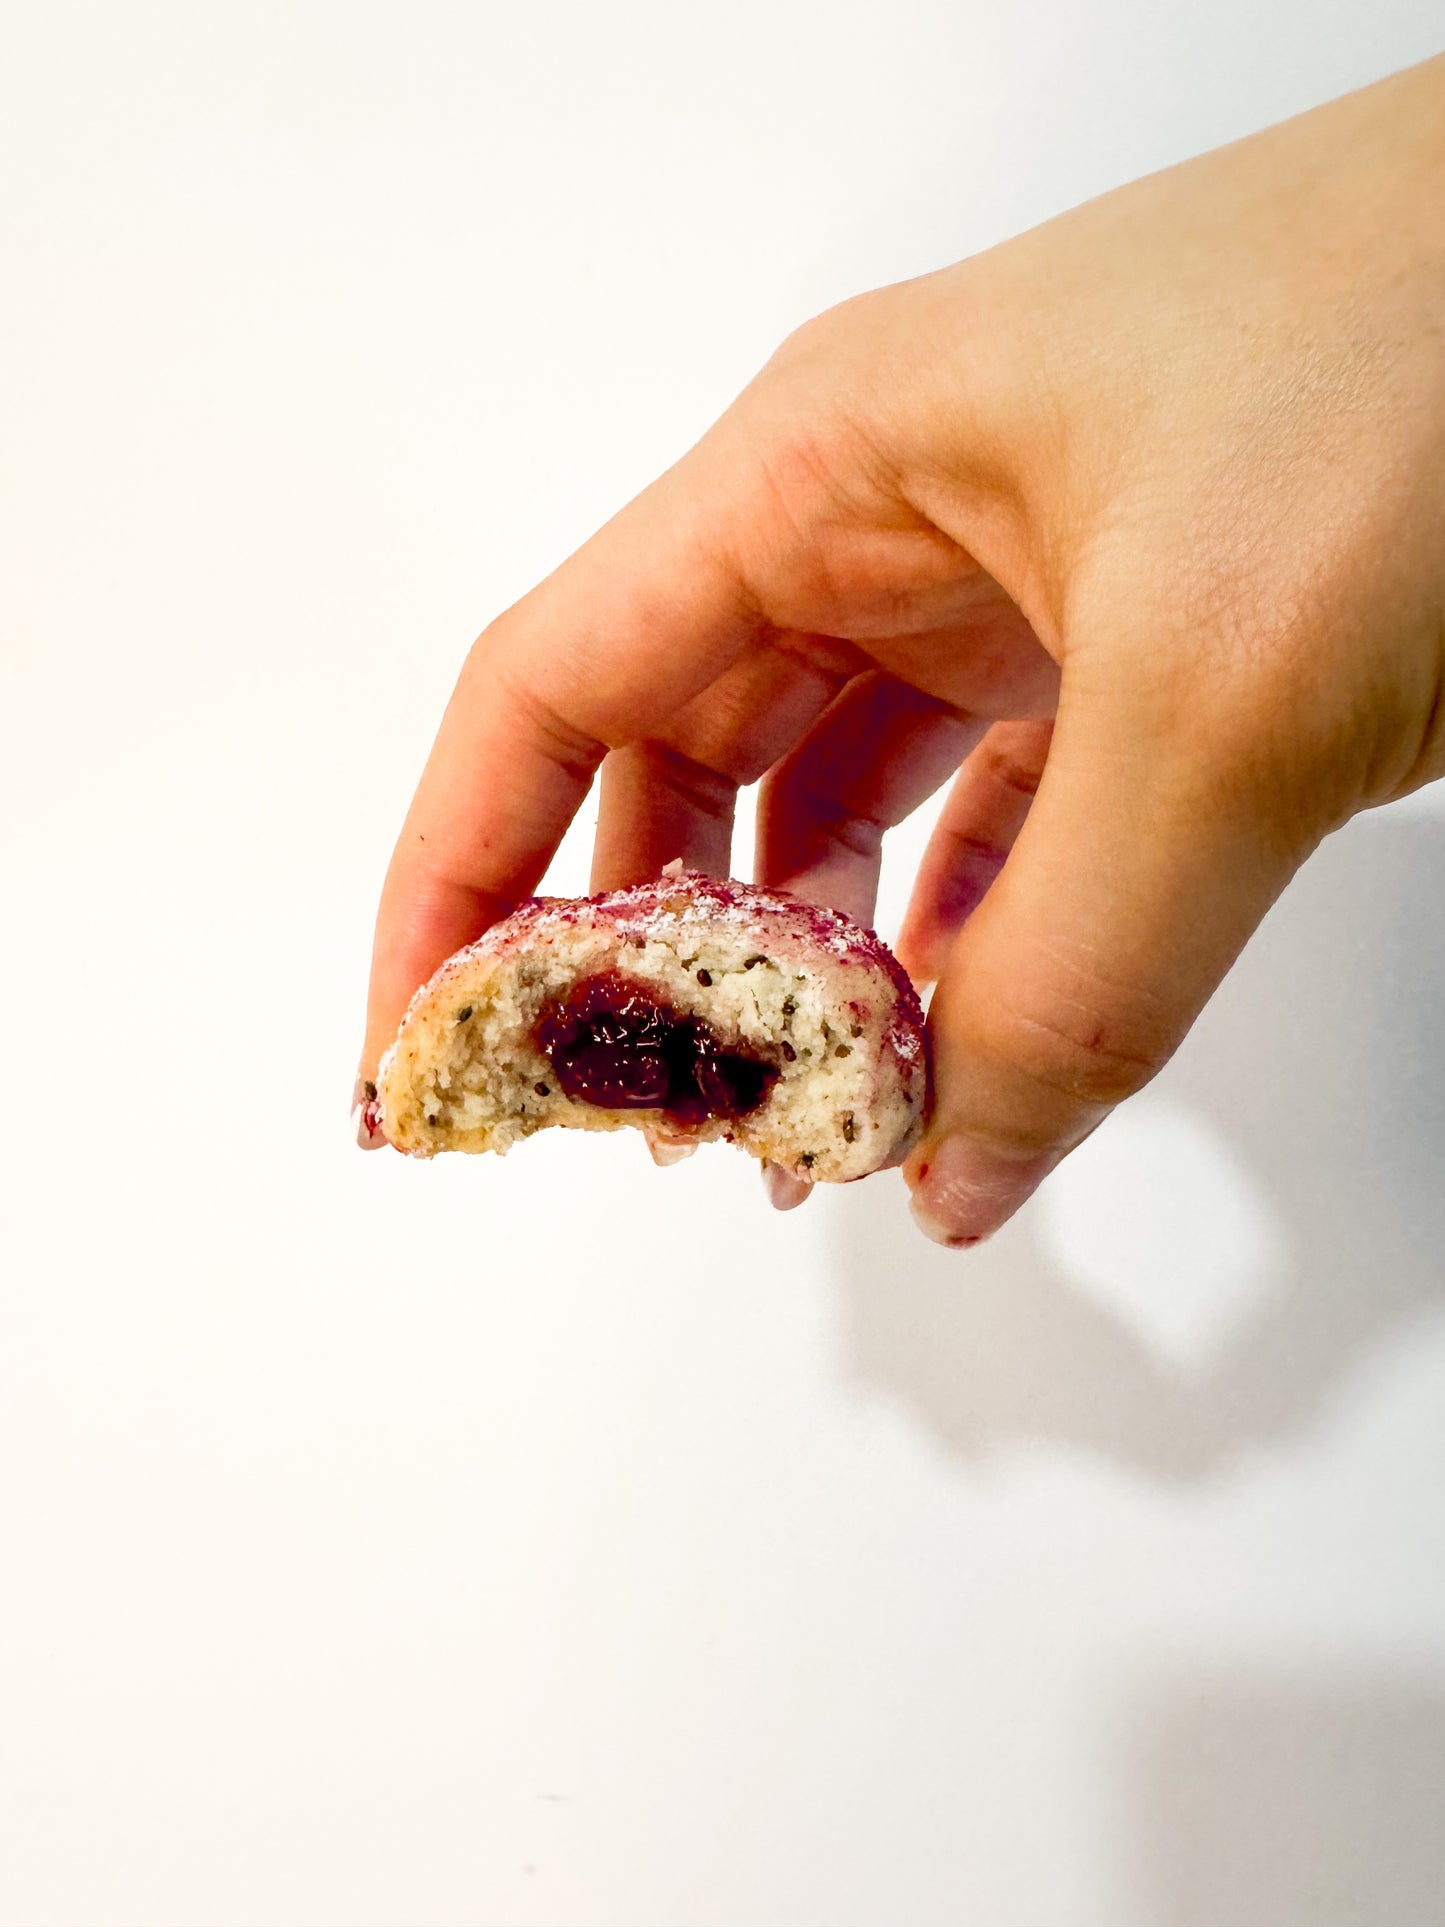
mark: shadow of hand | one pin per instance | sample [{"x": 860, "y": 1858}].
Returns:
[{"x": 1322, "y": 1065}]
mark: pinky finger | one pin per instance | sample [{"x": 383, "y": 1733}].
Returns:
[
  {"x": 784, "y": 1191},
  {"x": 983, "y": 813}
]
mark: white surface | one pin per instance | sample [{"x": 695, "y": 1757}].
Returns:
[{"x": 561, "y": 1543}]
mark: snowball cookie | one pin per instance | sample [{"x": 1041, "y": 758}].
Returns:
[{"x": 688, "y": 1008}]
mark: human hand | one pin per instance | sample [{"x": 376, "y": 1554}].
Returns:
[{"x": 1140, "y": 518}]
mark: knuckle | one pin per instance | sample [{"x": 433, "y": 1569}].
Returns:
[
  {"x": 828, "y": 818},
  {"x": 1008, "y": 770},
  {"x": 834, "y": 330},
  {"x": 567, "y": 747},
  {"x": 1075, "y": 1053},
  {"x": 966, "y": 848},
  {"x": 858, "y": 835},
  {"x": 813, "y": 413},
  {"x": 706, "y": 790}
]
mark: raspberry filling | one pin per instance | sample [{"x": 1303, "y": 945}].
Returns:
[{"x": 615, "y": 1043}]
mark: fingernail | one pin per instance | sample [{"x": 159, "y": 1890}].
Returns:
[
  {"x": 366, "y": 1115},
  {"x": 785, "y": 1192},
  {"x": 667, "y": 1151},
  {"x": 966, "y": 1191}
]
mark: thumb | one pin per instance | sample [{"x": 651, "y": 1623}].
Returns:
[{"x": 1140, "y": 873}]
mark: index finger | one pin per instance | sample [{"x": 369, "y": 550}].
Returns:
[{"x": 636, "y": 623}]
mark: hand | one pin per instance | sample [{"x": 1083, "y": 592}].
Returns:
[{"x": 1139, "y": 518}]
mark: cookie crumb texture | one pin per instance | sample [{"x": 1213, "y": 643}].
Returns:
[{"x": 687, "y": 1008}]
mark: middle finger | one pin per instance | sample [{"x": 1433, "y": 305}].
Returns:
[{"x": 673, "y": 793}]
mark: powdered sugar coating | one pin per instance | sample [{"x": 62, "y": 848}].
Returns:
[
  {"x": 677, "y": 898},
  {"x": 678, "y": 912}
]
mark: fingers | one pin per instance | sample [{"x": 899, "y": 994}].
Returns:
[
  {"x": 976, "y": 829},
  {"x": 1136, "y": 880},
  {"x": 874, "y": 756},
  {"x": 784, "y": 1192},
  {"x": 451, "y": 873},
  {"x": 622, "y": 636},
  {"x": 674, "y": 794},
  {"x": 657, "y": 804}
]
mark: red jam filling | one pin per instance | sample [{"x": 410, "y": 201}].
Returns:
[{"x": 615, "y": 1043}]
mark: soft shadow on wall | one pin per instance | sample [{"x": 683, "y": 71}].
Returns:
[
  {"x": 1319, "y": 1071},
  {"x": 1290, "y": 1803}
]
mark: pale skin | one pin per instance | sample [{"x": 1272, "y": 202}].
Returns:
[{"x": 1136, "y": 523}]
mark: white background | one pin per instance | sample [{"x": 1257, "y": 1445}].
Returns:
[{"x": 561, "y": 1543}]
